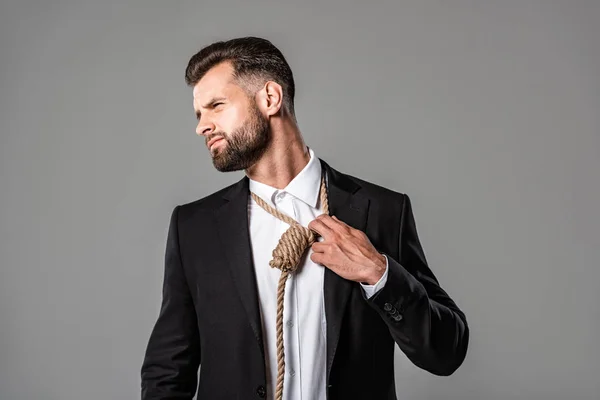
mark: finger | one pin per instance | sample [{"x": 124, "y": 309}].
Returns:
[
  {"x": 318, "y": 247},
  {"x": 319, "y": 258},
  {"x": 333, "y": 223},
  {"x": 318, "y": 226},
  {"x": 345, "y": 228},
  {"x": 339, "y": 221},
  {"x": 316, "y": 258}
]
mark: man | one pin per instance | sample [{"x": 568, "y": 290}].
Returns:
[{"x": 362, "y": 286}]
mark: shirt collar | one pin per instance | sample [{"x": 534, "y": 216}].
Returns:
[{"x": 305, "y": 186}]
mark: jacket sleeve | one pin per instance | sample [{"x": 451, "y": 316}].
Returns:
[
  {"x": 424, "y": 321},
  {"x": 170, "y": 366}
]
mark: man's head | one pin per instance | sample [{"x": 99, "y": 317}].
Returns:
[{"x": 238, "y": 86}]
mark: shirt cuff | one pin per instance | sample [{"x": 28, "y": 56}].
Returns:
[{"x": 370, "y": 290}]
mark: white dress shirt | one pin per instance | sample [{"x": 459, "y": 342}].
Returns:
[{"x": 304, "y": 334}]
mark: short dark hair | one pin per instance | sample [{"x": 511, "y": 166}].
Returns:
[{"x": 254, "y": 60}]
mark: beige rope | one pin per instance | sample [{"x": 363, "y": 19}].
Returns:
[{"x": 286, "y": 256}]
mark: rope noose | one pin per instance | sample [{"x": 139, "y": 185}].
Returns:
[{"x": 286, "y": 257}]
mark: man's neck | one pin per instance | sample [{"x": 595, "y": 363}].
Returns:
[{"x": 284, "y": 159}]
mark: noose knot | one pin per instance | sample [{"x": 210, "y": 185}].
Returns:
[
  {"x": 292, "y": 245},
  {"x": 286, "y": 256}
]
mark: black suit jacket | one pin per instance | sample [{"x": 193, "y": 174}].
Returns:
[{"x": 210, "y": 315}]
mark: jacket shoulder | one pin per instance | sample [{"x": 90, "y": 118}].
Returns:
[
  {"x": 207, "y": 203},
  {"x": 376, "y": 191}
]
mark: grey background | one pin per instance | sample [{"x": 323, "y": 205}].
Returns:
[{"x": 484, "y": 112}]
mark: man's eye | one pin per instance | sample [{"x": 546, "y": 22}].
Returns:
[{"x": 217, "y": 104}]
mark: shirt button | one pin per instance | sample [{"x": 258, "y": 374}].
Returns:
[
  {"x": 290, "y": 324},
  {"x": 292, "y": 372}
]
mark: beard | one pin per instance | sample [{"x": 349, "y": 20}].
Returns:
[{"x": 245, "y": 146}]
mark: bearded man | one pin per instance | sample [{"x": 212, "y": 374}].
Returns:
[{"x": 297, "y": 281}]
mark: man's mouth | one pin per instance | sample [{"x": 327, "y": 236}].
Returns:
[{"x": 213, "y": 141}]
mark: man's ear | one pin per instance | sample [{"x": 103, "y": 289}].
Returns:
[{"x": 270, "y": 98}]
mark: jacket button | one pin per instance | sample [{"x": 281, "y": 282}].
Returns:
[
  {"x": 387, "y": 307},
  {"x": 261, "y": 391}
]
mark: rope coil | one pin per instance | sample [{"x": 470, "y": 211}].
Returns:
[{"x": 286, "y": 257}]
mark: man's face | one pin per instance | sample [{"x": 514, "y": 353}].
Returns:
[{"x": 226, "y": 112}]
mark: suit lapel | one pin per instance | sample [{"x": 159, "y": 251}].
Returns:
[
  {"x": 345, "y": 202},
  {"x": 232, "y": 224},
  {"x": 350, "y": 207}
]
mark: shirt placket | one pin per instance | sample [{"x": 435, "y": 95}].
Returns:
[{"x": 291, "y": 385}]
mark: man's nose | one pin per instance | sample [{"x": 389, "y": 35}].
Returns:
[{"x": 205, "y": 128}]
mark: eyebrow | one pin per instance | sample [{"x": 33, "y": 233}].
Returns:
[{"x": 209, "y": 104}]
